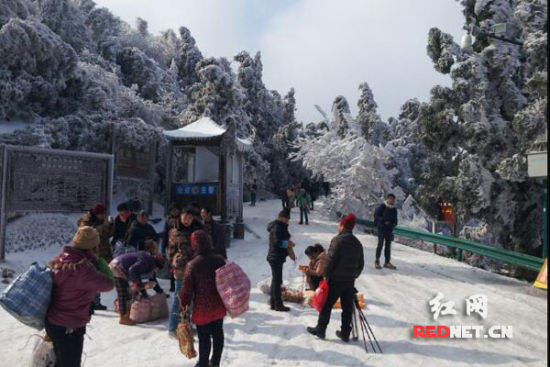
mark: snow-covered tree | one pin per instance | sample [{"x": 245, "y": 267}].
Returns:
[
  {"x": 357, "y": 171},
  {"x": 35, "y": 65},
  {"x": 370, "y": 123},
  {"x": 342, "y": 121},
  {"x": 66, "y": 19},
  {"x": 478, "y": 131}
]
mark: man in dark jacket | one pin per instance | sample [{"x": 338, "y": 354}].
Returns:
[
  {"x": 279, "y": 241},
  {"x": 344, "y": 264},
  {"x": 385, "y": 218},
  {"x": 189, "y": 224},
  {"x": 123, "y": 221},
  {"x": 141, "y": 231},
  {"x": 215, "y": 231}
]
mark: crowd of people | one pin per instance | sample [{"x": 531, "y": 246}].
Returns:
[
  {"x": 339, "y": 266},
  {"x": 123, "y": 253}
]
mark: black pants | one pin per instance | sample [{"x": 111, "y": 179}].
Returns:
[
  {"x": 67, "y": 344},
  {"x": 276, "y": 282},
  {"x": 384, "y": 235},
  {"x": 313, "y": 281},
  {"x": 345, "y": 291},
  {"x": 209, "y": 334},
  {"x": 303, "y": 213},
  {"x": 286, "y": 203}
]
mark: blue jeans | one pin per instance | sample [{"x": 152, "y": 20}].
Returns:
[{"x": 174, "y": 319}]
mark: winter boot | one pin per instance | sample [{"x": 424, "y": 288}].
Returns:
[
  {"x": 99, "y": 307},
  {"x": 316, "y": 332},
  {"x": 126, "y": 320},
  {"x": 377, "y": 264},
  {"x": 281, "y": 308},
  {"x": 342, "y": 336},
  {"x": 389, "y": 265}
]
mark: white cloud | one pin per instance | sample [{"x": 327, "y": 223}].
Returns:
[
  {"x": 322, "y": 48},
  {"x": 327, "y": 48}
]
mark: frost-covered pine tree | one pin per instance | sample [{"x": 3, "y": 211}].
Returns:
[
  {"x": 370, "y": 123},
  {"x": 342, "y": 121},
  {"x": 478, "y": 131},
  {"x": 356, "y": 170},
  {"x": 405, "y": 147}
]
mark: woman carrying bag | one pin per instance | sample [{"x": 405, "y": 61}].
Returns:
[{"x": 199, "y": 287}]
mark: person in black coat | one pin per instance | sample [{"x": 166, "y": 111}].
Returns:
[
  {"x": 215, "y": 231},
  {"x": 123, "y": 222},
  {"x": 279, "y": 241},
  {"x": 385, "y": 218},
  {"x": 344, "y": 264},
  {"x": 189, "y": 223},
  {"x": 141, "y": 231}
]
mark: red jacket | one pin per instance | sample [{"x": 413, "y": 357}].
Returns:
[
  {"x": 75, "y": 281},
  {"x": 199, "y": 285}
]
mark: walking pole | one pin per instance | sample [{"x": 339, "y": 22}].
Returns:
[
  {"x": 364, "y": 321},
  {"x": 376, "y": 341},
  {"x": 363, "y": 324},
  {"x": 363, "y": 332}
]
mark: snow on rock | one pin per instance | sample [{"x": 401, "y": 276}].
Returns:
[{"x": 396, "y": 300}]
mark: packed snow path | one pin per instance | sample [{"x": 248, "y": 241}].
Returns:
[{"x": 396, "y": 300}]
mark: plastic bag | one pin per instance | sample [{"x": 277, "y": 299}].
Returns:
[
  {"x": 185, "y": 339},
  {"x": 320, "y": 297},
  {"x": 233, "y": 286},
  {"x": 43, "y": 354},
  {"x": 28, "y": 297}
]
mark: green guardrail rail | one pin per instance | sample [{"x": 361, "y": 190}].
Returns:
[{"x": 508, "y": 256}]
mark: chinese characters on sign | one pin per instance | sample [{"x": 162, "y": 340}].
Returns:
[{"x": 196, "y": 190}]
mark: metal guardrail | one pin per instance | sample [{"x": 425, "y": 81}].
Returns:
[{"x": 508, "y": 256}]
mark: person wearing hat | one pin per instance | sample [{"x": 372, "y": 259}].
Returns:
[
  {"x": 344, "y": 264},
  {"x": 279, "y": 243},
  {"x": 95, "y": 218},
  {"x": 129, "y": 270},
  {"x": 77, "y": 275}
]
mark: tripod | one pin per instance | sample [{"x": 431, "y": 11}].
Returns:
[{"x": 365, "y": 328}]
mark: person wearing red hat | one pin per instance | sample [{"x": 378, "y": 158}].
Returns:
[{"x": 344, "y": 264}]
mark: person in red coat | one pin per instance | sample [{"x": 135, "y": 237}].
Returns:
[
  {"x": 199, "y": 287},
  {"x": 76, "y": 279}
]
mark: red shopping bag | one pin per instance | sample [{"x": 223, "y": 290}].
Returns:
[{"x": 320, "y": 297}]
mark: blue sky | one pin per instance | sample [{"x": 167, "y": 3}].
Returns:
[{"x": 322, "y": 48}]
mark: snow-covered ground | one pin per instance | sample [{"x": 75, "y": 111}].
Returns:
[{"x": 396, "y": 300}]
